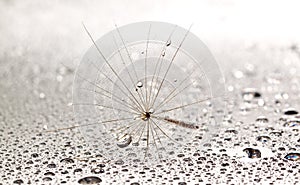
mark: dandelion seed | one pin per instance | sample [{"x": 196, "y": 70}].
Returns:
[{"x": 139, "y": 95}]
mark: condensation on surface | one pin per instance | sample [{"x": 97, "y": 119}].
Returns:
[{"x": 260, "y": 143}]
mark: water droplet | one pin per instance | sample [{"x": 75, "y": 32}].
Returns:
[
  {"x": 132, "y": 155},
  {"x": 42, "y": 95},
  {"x": 59, "y": 78},
  {"x": 262, "y": 119},
  {"x": 34, "y": 155},
  {"x": 67, "y": 160},
  {"x": 250, "y": 69},
  {"x": 252, "y": 153},
  {"x": 119, "y": 162},
  {"x": 124, "y": 141},
  {"x": 47, "y": 179},
  {"x": 292, "y": 122},
  {"x": 97, "y": 170},
  {"x": 276, "y": 133},
  {"x": 139, "y": 84},
  {"x": 51, "y": 165},
  {"x": 135, "y": 144},
  {"x": 290, "y": 111},
  {"x": 49, "y": 174},
  {"x": 135, "y": 183},
  {"x": 231, "y": 131},
  {"x": 151, "y": 111},
  {"x": 77, "y": 170},
  {"x": 263, "y": 139},
  {"x": 168, "y": 43},
  {"x": 250, "y": 93},
  {"x": 293, "y": 156},
  {"x": 89, "y": 180},
  {"x": 238, "y": 74},
  {"x": 19, "y": 181}
]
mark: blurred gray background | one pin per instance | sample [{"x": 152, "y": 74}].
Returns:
[{"x": 37, "y": 37}]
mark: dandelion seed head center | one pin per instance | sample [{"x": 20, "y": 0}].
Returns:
[{"x": 146, "y": 115}]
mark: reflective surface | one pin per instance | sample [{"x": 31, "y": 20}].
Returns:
[{"x": 259, "y": 144}]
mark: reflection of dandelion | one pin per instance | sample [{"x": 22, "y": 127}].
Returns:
[{"x": 145, "y": 82}]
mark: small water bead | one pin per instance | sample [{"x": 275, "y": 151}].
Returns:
[
  {"x": 59, "y": 78},
  {"x": 131, "y": 155},
  {"x": 237, "y": 74},
  {"x": 97, "y": 170},
  {"x": 124, "y": 141},
  {"x": 250, "y": 69},
  {"x": 250, "y": 93},
  {"x": 151, "y": 111},
  {"x": 64, "y": 172},
  {"x": 47, "y": 179},
  {"x": 244, "y": 110},
  {"x": 119, "y": 162},
  {"x": 263, "y": 139},
  {"x": 78, "y": 170},
  {"x": 42, "y": 95},
  {"x": 276, "y": 133},
  {"x": 139, "y": 84},
  {"x": 49, "y": 174},
  {"x": 89, "y": 180},
  {"x": 51, "y": 165},
  {"x": 102, "y": 165},
  {"x": 231, "y": 131},
  {"x": 293, "y": 156},
  {"x": 67, "y": 160},
  {"x": 135, "y": 144},
  {"x": 252, "y": 153},
  {"x": 262, "y": 119},
  {"x": 34, "y": 155},
  {"x": 168, "y": 43}
]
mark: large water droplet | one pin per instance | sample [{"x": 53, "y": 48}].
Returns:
[
  {"x": 89, "y": 180},
  {"x": 293, "y": 156},
  {"x": 119, "y": 162},
  {"x": 252, "y": 153},
  {"x": 19, "y": 181},
  {"x": 292, "y": 122},
  {"x": 124, "y": 140},
  {"x": 290, "y": 111}
]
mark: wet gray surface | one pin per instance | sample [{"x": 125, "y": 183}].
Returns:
[{"x": 258, "y": 143}]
